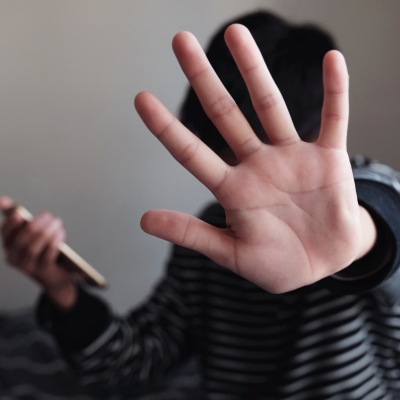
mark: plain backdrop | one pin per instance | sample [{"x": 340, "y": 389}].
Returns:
[{"x": 71, "y": 142}]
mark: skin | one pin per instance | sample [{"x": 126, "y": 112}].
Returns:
[{"x": 291, "y": 206}]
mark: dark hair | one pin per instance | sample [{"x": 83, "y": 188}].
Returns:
[{"x": 294, "y": 57}]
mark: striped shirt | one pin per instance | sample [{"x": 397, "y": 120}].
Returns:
[{"x": 335, "y": 339}]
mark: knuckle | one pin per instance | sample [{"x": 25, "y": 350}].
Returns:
[
  {"x": 223, "y": 105},
  {"x": 251, "y": 68},
  {"x": 268, "y": 101},
  {"x": 188, "y": 152},
  {"x": 198, "y": 74},
  {"x": 335, "y": 117},
  {"x": 165, "y": 129},
  {"x": 336, "y": 91},
  {"x": 250, "y": 145}
]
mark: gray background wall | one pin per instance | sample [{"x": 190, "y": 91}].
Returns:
[{"x": 71, "y": 143}]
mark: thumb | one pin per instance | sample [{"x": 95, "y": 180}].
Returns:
[{"x": 192, "y": 233}]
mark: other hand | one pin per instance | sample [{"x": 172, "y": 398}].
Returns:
[{"x": 32, "y": 248}]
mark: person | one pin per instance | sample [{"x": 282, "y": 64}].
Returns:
[{"x": 287, "y": 288}]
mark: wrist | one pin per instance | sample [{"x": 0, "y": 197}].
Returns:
[
  {"x": 376, "y": 250},
  {"x": 63, "y": 296}
]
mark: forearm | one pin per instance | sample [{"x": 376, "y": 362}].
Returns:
[
  {"x": 63, "y": 297},
  {"x": 94, "y": 339}
]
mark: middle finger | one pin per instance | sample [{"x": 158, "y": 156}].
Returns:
[{"x": 214, "y": 98}]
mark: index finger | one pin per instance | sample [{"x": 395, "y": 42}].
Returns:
[{"x": 183, "y": 145}]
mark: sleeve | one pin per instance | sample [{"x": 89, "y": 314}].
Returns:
[
  {"x": 31, "y": 366},
  {"x": 128, "y": 354},
  {"x": 378, "y": 190}
]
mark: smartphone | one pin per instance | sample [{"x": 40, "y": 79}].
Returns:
[{"x": 67, "y": 257}]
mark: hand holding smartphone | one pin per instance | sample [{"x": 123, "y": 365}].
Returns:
[{"x": 67, "y": 258}]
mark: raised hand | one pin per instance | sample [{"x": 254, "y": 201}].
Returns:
[{"x": 291, "y": 207}]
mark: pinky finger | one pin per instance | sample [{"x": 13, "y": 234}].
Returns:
[{"x": 192, "y": 233}]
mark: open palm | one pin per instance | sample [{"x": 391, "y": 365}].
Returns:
[{"x": 291, "y": 207}]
